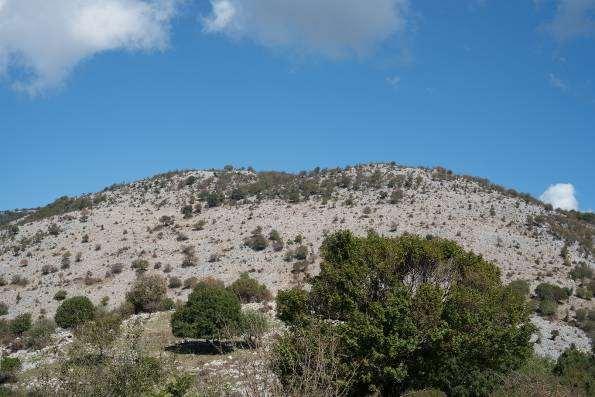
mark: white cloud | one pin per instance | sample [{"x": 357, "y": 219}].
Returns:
[
  {"x": 393, "y": 81},
  {"x": 332, "y": 28},
  {"x": 573, "y": 19},
  {"x": 556, "y": 82},
  {"x": 560, "y": 195},
  {"x": 41, "y": 41}
]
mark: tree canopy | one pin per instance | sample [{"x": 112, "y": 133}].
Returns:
[{"x": 409, "y": 313}]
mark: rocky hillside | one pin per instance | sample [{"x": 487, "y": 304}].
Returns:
[{"x": 221, "y": 223}]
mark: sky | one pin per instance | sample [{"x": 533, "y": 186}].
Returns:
[{"x": 94, "y": 92}]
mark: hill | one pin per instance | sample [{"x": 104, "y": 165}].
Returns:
[{"x": 221, "y": 223}]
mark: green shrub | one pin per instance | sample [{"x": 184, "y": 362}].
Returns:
[
  {"x": 74, "y": 311},
  {"x": 3, "y": 309},
  {"x": 174, "y": 282},
  {"x": 577, "y": 371},
  {"x": 254, "y": 326},
  {"x": 520, "y": 286},
  {"x": 140, "y": 265},
  {"x": 40, "y": 334},
  {"x": 547, "y": 307},
  {"x": 547, "y": 291},
  {"x": 60, "y": 295},
  {"x": 9, "y": 366},
  {"x": 400, "y": 327},
  {"x": 581, "y": 271},
  {"x": 187, "y": 211},
  {"x": 301, "y": 253},
  {"x": 147, "y": 293},
  {"x": 292, "y": 305},
  {"x": 212, "y": 312},
  {"x": 256, "y": 241},
  {"x": 101, "y": 362},
  {"x": 249, "y": 290},
  {"x": 20, "y": 324},
  {"x": 584, "y": 293}
]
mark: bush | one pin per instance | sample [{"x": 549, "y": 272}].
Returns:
[
  {"x": 584, "y": 293},
  {"x": 409, "y": 313},
  {"x": 547, "y": 291},
  {"x": 249, "y": 290},
  {"x": 174, "y": 282},
  {"x": 3, "y": 309},
  {"x": 581, "y": 271},
  {"x": 40, "y": 334},
  {"x": 547, "y": 307},
  {"x": 212, "y": 312},
  {"x": 254, "y": 326},
  {"x": 292, "y": 305},
  {"x": 187, "y": 211},
  {"x": 9, "y": 366},
  {"x": 140, "y": 265},
  {"x": 74, "y": 311},
  {"x": 577, "y": 371},
  {"x": 116, "y": 268},
  {"x": 301, "y": 253},
  {"x": 256, "y": 241},
  {"x": 60, "y": 295},
  {"x": 20, "y": 324},
  {"x": 521, "y": 287},
  {"x": 148, "y": 293},
  {"x": 103, "y": 360}
]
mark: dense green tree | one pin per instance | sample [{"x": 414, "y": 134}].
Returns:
[
  {"x": 212, "y": 312},
  {"x": 74, "y": 311},
  {"x": 414, "y": 313}
]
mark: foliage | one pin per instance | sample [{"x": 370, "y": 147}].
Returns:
[
  {"x": 20, "y": 324},
  {"x": 576, "y": 370},
  {"x": 104, "y": 367},
  {"x": 254, "y": 325},
  {"x": 411, "y": 313},
  {"x": 74, "y": 311},
  {"x": 8, "y": 368},
  {"x": 40, "y": 334},
  {"x": 581, "y": 271},
  {"x": 249, "y": 290},
  {"x": 292, "y": 305},
  {"x": 60, "y": 295},
  {"x": 147, "y": 293},
  {"x": 547, "y": 291},
  {"x": 256, "y": 241},
  {"x": 521, "y": 287},
  {"x": 212, "y": 312}
]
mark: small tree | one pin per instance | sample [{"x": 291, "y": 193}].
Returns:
[
  {"x": 148, "y": 293},
  {"x": 74, "y": 311},
  {"x": 248, "y": 289},
  {"x": 212, "y": 312}
]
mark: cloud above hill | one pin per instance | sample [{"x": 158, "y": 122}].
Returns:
[
  {"x": 42, "y": 41},
  {"x": 560, "y": 195},
  {"x": 332, "y": 28}
]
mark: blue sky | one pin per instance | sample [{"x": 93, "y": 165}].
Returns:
[{"x": 101, "y": 91}]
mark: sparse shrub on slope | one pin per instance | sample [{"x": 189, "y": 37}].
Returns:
[
  {"x": 20, "y": 324},
  {"x": 148, "y": 293},
  {"x": 576, "y": 370},
  {"x": 212, "y": 312},
  {"x": 248, "y": 289},
  {"x": 40, "y": 334},
  {"x": 410, "y": 313},
  {"x": 520, "y": 286},
  {"x": 257, "y": 241},
  {"x": 97, "y": 364},
  {"x": 74, "y": 311}
]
